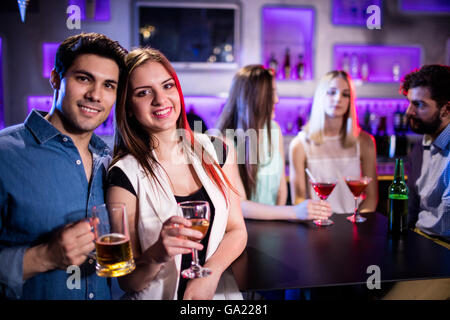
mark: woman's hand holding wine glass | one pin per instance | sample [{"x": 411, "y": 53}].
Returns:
[{"x": 176, "y": 237}]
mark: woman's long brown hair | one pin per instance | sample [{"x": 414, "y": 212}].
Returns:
[
  {"x": 249, "y": 106},
  {"x": 132, "y": 138}
]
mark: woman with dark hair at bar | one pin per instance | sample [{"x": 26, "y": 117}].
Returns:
[
  {"x": 247, "y": 119},
  {"x": 332, "y": 144},
  {"x": 158, "y": 161}
]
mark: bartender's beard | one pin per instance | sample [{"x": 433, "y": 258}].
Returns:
[{"x": 425, "y": 127}]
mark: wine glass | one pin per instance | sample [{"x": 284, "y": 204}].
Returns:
[
  {"x": 323, "y": 188},
  {"x": 198, "y": 213},
  {"x": 357, "y": 185}
]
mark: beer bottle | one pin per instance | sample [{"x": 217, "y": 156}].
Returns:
[{"x": 398, "y": 201}]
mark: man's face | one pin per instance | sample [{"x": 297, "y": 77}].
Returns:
[
  {"x": 423, "y": 112},
  {"x": 87, "y": 93}
]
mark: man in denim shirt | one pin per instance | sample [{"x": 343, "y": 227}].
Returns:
[
  {"x": 428, "y": 92},
  {"x": 52, "y": 169}
]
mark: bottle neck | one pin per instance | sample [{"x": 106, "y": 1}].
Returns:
[{"x": 399, "y": 174}]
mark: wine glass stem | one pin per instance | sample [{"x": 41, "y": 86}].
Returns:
[
  {"x": 194, "y": 257},
  {"x": 356, "y": 207}
]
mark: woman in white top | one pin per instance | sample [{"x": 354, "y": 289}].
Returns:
[
  {"x": 332, "y": 145},
  {"x": 158, "y": 160}
]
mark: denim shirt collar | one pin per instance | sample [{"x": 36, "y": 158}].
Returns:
[
  {"x": 443, "y": 140},
  {"x": 44, "y": 131}
]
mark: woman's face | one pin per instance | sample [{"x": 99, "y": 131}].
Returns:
[
  {"x": 154, "y": 97},
  {"x": 337, "y": 100}
]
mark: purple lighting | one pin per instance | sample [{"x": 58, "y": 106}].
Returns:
[
  {"x": 98, "y": 10},
  {"x": 48, "y": 58},
  {"x": 207, "y": 107},
  {"x": 41, "y": 103},
  {"x": 2, "y": 120},
  {"x": 289, "y": 28},
  {"x": 437, "y": 6},
  {"x": 377, "y": 63}
]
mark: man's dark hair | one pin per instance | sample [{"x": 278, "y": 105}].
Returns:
[
  {"x": 85, "y": 43},
  {"x": 435, "y": 77}
]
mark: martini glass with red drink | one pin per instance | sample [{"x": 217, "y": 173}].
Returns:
[
  {"x": 357, "y": 185},
  {"x": 323, "y": 188}
]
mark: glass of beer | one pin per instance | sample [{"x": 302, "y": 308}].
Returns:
[
  {"x": 198, "y": 213},
  {"x": 112, "y": 240}
]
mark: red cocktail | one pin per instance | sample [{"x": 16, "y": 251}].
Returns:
[
  {"x": 357, "y": 186},
  {"x": 323, "y": 189}
]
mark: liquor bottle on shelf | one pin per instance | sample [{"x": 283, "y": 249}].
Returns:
[
  {"x": 364, "y": 68},
  {"x": 287, "y": 64},
  {"x": 345, "y": 63},
  {"x": 373, "y": 120},
  {"x": 300, "y": 68},
  {"x": 396, "y": 71},
  {"x": 381, "y": 138},
  {"x": 398, "y": 201},
  {"x": 400, "y": 128},
  {"x": 354, "y": 66},
  {"x": 405, "y": 124},
  {"x": 273, "y": 63},
  {"x": 366, "y": 125},
  {"x": 398, "y": 115}
]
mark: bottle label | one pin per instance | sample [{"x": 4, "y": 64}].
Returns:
[{"x": 398, "y": 196}]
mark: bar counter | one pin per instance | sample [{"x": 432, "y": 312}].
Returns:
[{"x": 283, "y": 254}]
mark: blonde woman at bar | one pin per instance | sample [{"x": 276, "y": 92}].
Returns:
[{"x": 333, "y": 145}]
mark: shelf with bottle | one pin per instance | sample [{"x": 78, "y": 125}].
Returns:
[
  {"x": 287, "y": 41},
  {"x": 372, "y": 63},
  {"x": 292, "y": 113},
  {"x": 386, "y": 120}
]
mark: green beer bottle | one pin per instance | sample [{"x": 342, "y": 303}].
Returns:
[{"x": 398, "y": 201}]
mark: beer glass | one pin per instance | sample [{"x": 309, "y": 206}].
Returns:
[
  {"x": 112, "y": 240},
  {"x": 198, "y": 214}
]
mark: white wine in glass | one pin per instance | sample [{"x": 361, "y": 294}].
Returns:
[{"x": 198, "y": 212}]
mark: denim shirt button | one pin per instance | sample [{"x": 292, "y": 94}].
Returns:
[
  {"x": 91, "y": 295},
  {"x": 65, "y": 139},
  {"x": 78, "y": 162}
]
